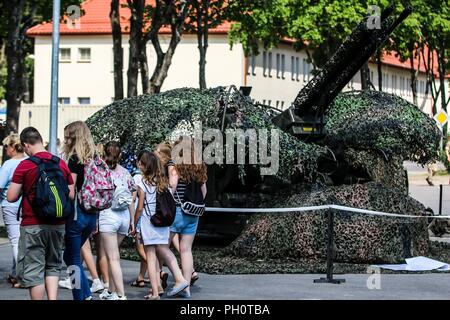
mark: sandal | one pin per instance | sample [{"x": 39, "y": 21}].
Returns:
[
  {"x": 164, "y": 276},
  {"x": 194, "y": 278},
  {"x": 10, "y": 279},
  {"x": 138, "y": 283}
]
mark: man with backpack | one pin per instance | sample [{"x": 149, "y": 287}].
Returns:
[{"x": 46, "y": 186}]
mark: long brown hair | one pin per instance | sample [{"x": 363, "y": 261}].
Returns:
[
  {"x": 152, "y": 170},
  {"x": 81, "y": 142},
  {"x": 194, "y": 169}
]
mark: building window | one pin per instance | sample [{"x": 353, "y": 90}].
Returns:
[
  {"x": 264, "y": 101},
  {"x": 292, "y": 68},
  {"x": 270, "y": 64},
  {"x": 269, "y": 102},
  {"x": 306, "y": 70},
  {"x": 282, "y": 104},
  {"x": 64, "y": 100},
  {"x": 84, "y": 100},
  {"x": 278, "y": 66},
  {"x": 394, "y": 84},
  {"x": 264, "y": 63},
  {"x": 422, "y": 87},
  {"x": 84, "y": 54},
  {"x": 297, "y": 68},
  {"x": 251, "y": 65},
  {"x": 277, "y": 103},
  {"x": 283, "y": 65},
  {"x": 64, "y": 55}
]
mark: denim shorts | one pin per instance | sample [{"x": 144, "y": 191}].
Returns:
[{"x": 184, "y": 223}]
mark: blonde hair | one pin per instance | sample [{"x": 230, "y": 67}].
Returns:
[
  {"x": 195, "y": 169},
  {"x": 82, "y": 144},
  {"x": 13, "y": 140},
  {"x": 165, "y": 150}
]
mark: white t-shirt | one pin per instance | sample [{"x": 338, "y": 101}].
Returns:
[{"x": 150, "y": 234}]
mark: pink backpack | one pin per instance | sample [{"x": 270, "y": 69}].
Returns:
[{"x": 97, "y": 191}]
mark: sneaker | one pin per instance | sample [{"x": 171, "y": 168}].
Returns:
[
  {"x": 105, "y": 295},
  {"x": 66, "y": 283},
  {"x": 115, "y": 296},
  {"x": 97, "y": 286},
  {"x": 184, "y": 294}
]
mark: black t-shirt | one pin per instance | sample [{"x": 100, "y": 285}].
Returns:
[{"x": 78, "y": 168}]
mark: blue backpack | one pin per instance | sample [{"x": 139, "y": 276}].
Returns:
[{"x": 51, "y": 200}]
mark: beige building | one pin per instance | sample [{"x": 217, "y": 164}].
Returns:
[{"x": 86, "y": 69}]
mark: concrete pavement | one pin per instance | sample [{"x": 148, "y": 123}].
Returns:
[{"x": 273, "y": 286}]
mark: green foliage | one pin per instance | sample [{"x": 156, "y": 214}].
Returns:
[
  {"x": 143, "y": 121},
  {"x": 373, "y": 120}
]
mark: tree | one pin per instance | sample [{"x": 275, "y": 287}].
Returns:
[
  {"x": 117, "y": 49},
  {"x": 205, "y": 14},
  {"x": 136, "y": 24},
  {"x": 21, "y": 15},
  {"x": 165, "y": 13},
  {"x": 318, "y": 27}
]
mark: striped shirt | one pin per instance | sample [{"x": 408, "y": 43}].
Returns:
[{"x": 179, "y": 193}]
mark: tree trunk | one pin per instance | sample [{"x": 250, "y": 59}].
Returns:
[
  {"x": 164, "y": 59},
  {"x": 413, "y": 74},
  {"x": 136, "y": 20},
  {"x": 441, "y": 68},
  {"x": 202, "y": 37},
  {"x": 15, "y": 65},
  {"x": 365, "y": 77},
  {"x": 143, "y": 65},
  {"x": 379, "y": 71},
  {"x": 117, "y": 50}
]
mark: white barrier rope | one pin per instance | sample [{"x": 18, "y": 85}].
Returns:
[{"x": 323, "y": 207}]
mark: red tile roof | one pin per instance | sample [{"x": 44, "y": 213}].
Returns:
[{"x": 96, "y": 21}]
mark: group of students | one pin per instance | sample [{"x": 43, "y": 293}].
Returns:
[{"x": 40, "y": 244}]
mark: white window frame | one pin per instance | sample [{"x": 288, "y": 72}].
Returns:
[
  {"x": 79, "y": 100},
  {"x": 61, "y": 98},
  {"x": 61, "y": 57},
  {"x": 278, "y": 65},
  {"x": 292, "y": 68},
  {"x": 269, "y": 57},
  {"x": 265, "y": 63},
  {"x": 80, "y": 57}
]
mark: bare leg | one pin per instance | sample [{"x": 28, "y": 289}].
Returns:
[
  {"x": 175, "y": 240},
  {"x": 187, "y": 261},
  {"x": 102, "y": 261},
  {"x": 110, "y": 243},
  {"x": 88, "y": 258},
  {"x": 51, "y": 286},
  {"x": 171, "y": 262},
  {"x": 37, "y": 292},
  {"x": 152, "y": 271}
]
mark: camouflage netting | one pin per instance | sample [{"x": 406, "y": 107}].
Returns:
[
  {"x": 358, "y": 238},
  {"x": 143, "y": 121},
  {"x": 377, "y": 121},
  {"x": 371, "y": 132}
]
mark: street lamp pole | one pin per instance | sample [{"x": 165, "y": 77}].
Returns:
[{"x": 54, "y": 79}]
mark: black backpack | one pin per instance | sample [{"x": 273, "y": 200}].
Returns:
[
  {"x": 165, "y": 209},
  {"x": 51, "y": 200},
  {"x": 193, "y": 202}
]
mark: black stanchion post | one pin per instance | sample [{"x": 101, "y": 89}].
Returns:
[
  {"x": 330, "y": 252},
  {"x": 440, "y": 199}
]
